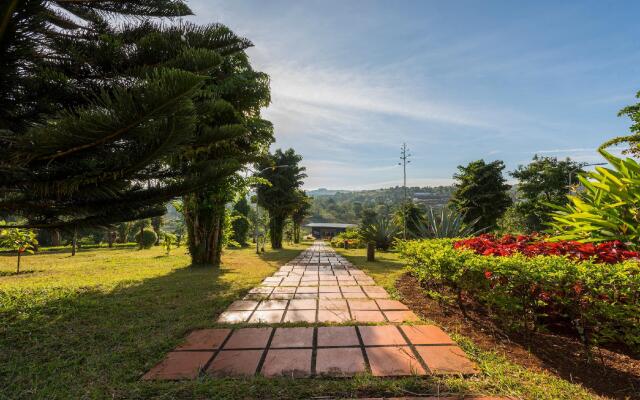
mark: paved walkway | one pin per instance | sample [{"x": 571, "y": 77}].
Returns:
[{"x": 316, "y": 288}]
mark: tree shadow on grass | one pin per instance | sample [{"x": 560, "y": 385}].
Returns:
[
  {"x": 14, "y": 273},
  {"x": 87, "y": 342}
]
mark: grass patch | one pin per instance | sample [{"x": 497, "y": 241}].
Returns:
[{"x": 90, "y": 326}]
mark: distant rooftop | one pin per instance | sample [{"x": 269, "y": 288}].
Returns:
[{"x": 329, "y": 225}]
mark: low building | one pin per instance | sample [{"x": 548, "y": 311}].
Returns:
[{"x": 327, "y": 230}]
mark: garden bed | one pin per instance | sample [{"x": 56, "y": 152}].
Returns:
[{"x": 609, "y": 373}]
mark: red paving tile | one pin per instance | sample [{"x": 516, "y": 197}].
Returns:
[
  {"x": 300, "y": 316},
  {"x": 393, "y": 361},
  {"x": 401, "y": 316},
  {"x": 281, "y": 296},
  {"x": 234, "y": 317},
  {"x": 231, "y": 363},
  {"x": 249, "y": 338},
  {"x": 243, "y": 305},
  {"x": 179, "y": 365},
  {"x": 292, "y": 337},
  {"x": 334, "y": 304},
  {"x": 367, "y": 316},
  {"x": 204, "y": 339},
  {"x": 391, "y": 305},
  {"x": 294, "y": 363},
  {"x": 337, "y": 336},
  {"x": 363, "y": 305},
  {"x": 267, "y": 317},
  {"x": 349, "y": 295},
  {"x": 446, "y": 360},
  {"x": 272, "y": 305},
  {"x": 340, "y": 362},
  {"x": 333, "y": 316},
  {"x": 381, "y": 335},
  {"x": 426, "y": 334},
  {"x": 298, "y": 304}
]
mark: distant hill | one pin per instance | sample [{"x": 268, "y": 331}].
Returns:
[{"x": 346, "y": 206}]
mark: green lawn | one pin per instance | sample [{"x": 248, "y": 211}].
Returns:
[{"x": 89, "y": 326}]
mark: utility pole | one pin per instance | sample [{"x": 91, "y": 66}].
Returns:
[{"x": 404, "y": 157}]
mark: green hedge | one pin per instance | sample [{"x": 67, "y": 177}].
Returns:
[{"x": 600, "y": 301}]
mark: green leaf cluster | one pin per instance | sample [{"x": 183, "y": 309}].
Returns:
[{"x": 607, "y": 209}]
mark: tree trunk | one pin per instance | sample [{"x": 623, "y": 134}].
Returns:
[
  {"x": 18, "y": 268},
  {"x": 55, "y": 238},
  {"x": 110, "y": 238},
  {"x": 204, "y": 219},
  {"x": 74, "y": 241},
  {"x": 371, "y": 251},
  {"x": 276, "y": 227},
  {"x": 296, "y": 233}
]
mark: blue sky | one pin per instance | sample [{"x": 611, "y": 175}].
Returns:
[{"x": 456, "y": 80}]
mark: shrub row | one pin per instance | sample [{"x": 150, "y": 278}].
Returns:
[
  {"x": 532, "y": 245},
  {"x": 601, "y": 302}
]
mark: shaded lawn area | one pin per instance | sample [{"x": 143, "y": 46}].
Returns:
[{"x": 90, "y": 326}]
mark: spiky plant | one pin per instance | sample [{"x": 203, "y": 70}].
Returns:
[
  {"x": 382, "y": 232},
  {"x": 446, "y": 223}
]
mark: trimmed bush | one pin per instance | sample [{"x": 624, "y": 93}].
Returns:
[
  {"x": 149, "y": 238},
  {"x": 601, "y": 302},
  {"x": 352, "y": 236}
]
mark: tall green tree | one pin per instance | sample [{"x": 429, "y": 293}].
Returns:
[
  {"x": 301, "y": 211},
  {"x": 229, "y": 123},
  {"x": 542, "y": 182},
  {"x": 241, "y": 224},
  {"x": 285, "y": 174},
  {"x": 95, "y": 111},
  {"x": 481, "y": 193}
]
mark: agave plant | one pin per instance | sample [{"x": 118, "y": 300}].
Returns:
[
  {"x": 382, "y": 232},
  {"x": 607, "y": 209},
  {"x": 446, "y": 224}
]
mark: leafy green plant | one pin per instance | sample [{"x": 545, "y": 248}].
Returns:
[
  {"x": 20, "y": 240},
  {"x": 169, "y": 240},
  {"x": 608, "y": 208},
  {"x": 382, "y": 232},
  {"x": 351, "y": 236},
  {"x": 601, "y": 302},
  {"x": 446, "y": 223},
  {"x": 146, "y": 239}
]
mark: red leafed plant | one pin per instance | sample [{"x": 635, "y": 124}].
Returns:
[{"x": 533, "y": 245}]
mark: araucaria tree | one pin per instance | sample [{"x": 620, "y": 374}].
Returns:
[
  {"x": 230, "y": 127},
  {"x": 481, "y": 193},
  {"x": 282, "y": 169},
  {"x": 94, "y": 112},
  {"x": 545, "y": 181}
]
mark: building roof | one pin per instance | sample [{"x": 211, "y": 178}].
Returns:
[{"x": 329, "y": 225}]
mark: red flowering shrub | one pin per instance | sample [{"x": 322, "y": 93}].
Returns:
[
  {"x": 534, "y": 245},
  {"x": 530, "y": 282}
]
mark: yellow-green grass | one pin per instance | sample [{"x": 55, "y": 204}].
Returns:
[
  {"x": 499, "y": 375},
  {"x": 89, "y": 326}
]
